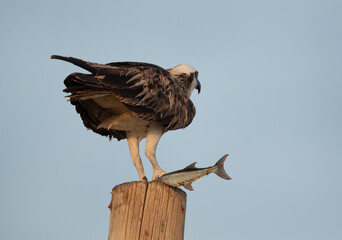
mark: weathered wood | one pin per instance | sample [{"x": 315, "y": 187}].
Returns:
[
  {"x": 147, "y": 211},
  {"x": 127, "y": 210}
]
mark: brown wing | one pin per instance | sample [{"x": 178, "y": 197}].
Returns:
[{"x": 150, "y": 91}]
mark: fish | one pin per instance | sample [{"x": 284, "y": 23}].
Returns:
[{"x": 190, "y": 174}]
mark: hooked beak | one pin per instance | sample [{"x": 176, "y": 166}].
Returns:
[{"x": 198, "y": 87}]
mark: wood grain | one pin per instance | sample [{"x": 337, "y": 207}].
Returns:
[{"x": 147, "y": 211}]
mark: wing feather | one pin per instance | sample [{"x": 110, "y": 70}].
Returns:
[{"x": 150, "y": 91}]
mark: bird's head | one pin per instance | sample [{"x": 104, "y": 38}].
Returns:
[{"x": 188, "y": 76}]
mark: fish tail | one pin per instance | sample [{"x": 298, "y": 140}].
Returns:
[{"x": 220, "y": 168}]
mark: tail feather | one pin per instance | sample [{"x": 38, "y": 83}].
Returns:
[
  {"x": 84, "y": 86},
  {"x": 220, "y": 168},
  {"x": 78, "y": 62}
]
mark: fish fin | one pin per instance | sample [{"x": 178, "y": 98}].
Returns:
[
  {"x": 191, "y": 166},
  {"x": 220, "y": 169},
  {"x": 188, "y": 186}
]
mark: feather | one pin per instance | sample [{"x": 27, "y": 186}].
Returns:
[{"x": 149, "y": 91}]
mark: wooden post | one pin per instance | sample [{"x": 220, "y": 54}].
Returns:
[{"x": 147, "y": 211}]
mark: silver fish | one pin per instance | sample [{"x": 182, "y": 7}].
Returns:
[{"x": 190, "y": 174}]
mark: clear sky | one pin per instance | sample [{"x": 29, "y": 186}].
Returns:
[{"x": 271, "y": 76}]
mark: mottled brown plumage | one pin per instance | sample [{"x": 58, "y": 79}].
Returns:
[
  {"x": 124, "y": 98},
  {"x": 150, "y": 91}
]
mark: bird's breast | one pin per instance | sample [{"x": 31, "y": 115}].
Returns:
[{"x": 127, "y": 122}]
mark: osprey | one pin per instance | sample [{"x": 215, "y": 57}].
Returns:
[{"x": 133, "y": 100}]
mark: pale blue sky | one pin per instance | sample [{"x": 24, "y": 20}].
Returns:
[{"x": 271, "y": 97}]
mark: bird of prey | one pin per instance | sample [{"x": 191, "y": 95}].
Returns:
[{"x": 133, "y": 100}]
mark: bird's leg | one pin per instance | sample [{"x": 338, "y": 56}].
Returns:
[
  {"x": 133, "y": 143},
  {"x": 155, "y": 131}
]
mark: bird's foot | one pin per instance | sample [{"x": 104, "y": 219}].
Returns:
[
  {"x": 157, "y": 174},
  {"x": 143, "y": 179}
]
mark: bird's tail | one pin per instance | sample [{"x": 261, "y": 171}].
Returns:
[
  {"x": 78, "y": 62},
  {"x": 220, "y": 168}
]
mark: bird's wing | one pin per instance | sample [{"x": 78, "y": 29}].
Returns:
[{"x": 150, "y": 91}]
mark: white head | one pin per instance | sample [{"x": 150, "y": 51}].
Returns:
[
  {"x": 188, "y": 76},
  {"x": 182, "y": 68}
]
